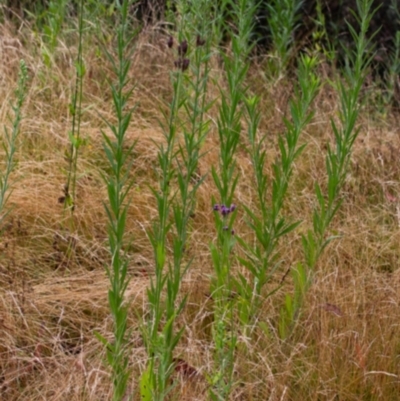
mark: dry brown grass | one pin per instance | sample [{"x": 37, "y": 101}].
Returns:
[{"x": 346, "y": 346}]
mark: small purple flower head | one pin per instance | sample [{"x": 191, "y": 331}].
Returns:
[
  {"x": 185, "y": 64},
  {"x": 183, "y": 48},
  {"x": 170, "y": 42},
  {"x": 233, "y": 232},
  {"x": 182, "y": 64},
  {"x": 225, "y": 210}
]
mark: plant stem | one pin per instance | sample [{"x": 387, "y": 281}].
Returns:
[
  {"x": 10, "y": 143},
  {"x": 76, "y": 111},
  {"x": 118, "y": 184}
]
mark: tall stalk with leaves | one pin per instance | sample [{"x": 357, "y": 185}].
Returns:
[
  {"x": 9, "y": 142},
  {"x": 392, "y": 70},
  {"x": 119, "y": 155},
  {"x": 178, "y": 159},
  {"x": 282, "y": 20},
  {"x": 337, "y": 164},
  {"x": 55, "y": 17},
  {"x": 225, "y": 179},
  {"x": 269, "y": 225},
  {"x": 76, "y": 113},
  {"x": 160, "y": 344}
]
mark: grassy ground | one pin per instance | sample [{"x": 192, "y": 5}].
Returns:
[{"x": 346, "y": 344}]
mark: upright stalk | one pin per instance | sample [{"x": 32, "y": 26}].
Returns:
[
  {"x": 338, "y": 158},
  {"x": 119, "y": 156},
  {"x": 225, "y": 179},
  {"x": 189, "y": 91},
  {"x": 337, "y": 164},
  {"x": 76, "y": 112},
  {"x": 269, "y": 226},
  {"x": 160, "y": 344},
  {"x": 282, "y": 22},
  {"x": 10, "y": 140}
]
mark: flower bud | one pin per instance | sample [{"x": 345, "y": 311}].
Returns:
[{"x": 183, "y": 48}]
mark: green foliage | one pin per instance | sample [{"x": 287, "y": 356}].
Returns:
[
  {"x": 76, "y": 112},
  {"x": 178, "y": 161},
  {"x": 160, "y": 343},
  {"x": 384, "y": 93},
  {"x": 282, "y": 22},
  {"x": 226, "y": 179},
  {"x": 145, "y": 384},
  {"x": 10, "y": 139},
  {"x": 337, "y": 164},
  {"x": 262, "y": 258},
  {"x": 322, "y": 43},
  {"x": 118, "y": 183},
  {"x": 200, "y": 27},
  {"x": 54, "y": 20}
]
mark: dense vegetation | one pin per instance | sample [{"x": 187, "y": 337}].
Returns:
[{"x": 199, "y": 200}]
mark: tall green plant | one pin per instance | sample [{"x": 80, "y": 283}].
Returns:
[
  {"x": 50, "y": 21},
  {"x": 269, "y": 225},
  {"x": 76, "y": 112},
  {"x": 9, "y": 142},
  {"x": 392, "y": 68},
  {"x": 160, "y": 344},
  {"x": 282, "y": 22},
  {"x": 225, "y": 179},
  {"x": 202, "y": 17},
  {"x": 54, "y": 20},
  {"x": 178, "y": 159},
  {"x": 321, "y": 41},
  {"x": 119, "y": 155},
  {"x": 337, "y": 164}
]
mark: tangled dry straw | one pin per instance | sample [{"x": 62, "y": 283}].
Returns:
[{"x": 345, "y": 346}]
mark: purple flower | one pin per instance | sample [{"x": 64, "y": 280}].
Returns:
[
  {"x": 182, "y": 64},
  {"x": 185, "y": 64},
  {"x": 183, "y": 48},
  {"x": 233, "y": 232},
  {"x": 170, "y": 42},
  {"x": 225, "y": 210}
]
